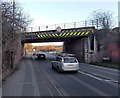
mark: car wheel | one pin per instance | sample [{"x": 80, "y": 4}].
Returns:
[
  {"x": 58, "y": 70},
  {"x": 52, "y": 66},
  {"x": 44, "y": 57},
  {"x": 76, "y": 71}
]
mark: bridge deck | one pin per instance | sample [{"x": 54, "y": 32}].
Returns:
[{"x": 53, "y": 35}]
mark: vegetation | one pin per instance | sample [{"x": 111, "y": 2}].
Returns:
[
  {"x": 13, "y": 22},
  {"x": 103, "y": 19}
]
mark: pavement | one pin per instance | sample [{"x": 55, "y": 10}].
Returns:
[
  {"x": 29, "y": 81},
  {"x": 15, "y": 84}
]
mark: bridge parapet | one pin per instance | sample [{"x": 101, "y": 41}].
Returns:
[{"x": 78, "y": 24}]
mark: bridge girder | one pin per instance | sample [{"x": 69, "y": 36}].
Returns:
[{"x": 54, "y": 36}]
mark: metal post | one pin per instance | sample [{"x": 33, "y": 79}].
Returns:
[
  {"x": 92, "y": 23},
  {"x": 39, "y": 28},
  {"x": 55, "y": 26},
  {"x": 85, "y": 23},
  {"x": 46, "y": 27},
  {"x": 74, "y": 24},
  {"x": 31, "y": 29},
  {"x": 64, "y": 25},
  {"x": 97, "y": 23}
]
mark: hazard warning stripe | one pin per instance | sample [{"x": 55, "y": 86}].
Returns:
[
  {"x": 38, "y": 35},
  {"x": 87, "y": 33},
  {"x": 75, "y": 33},
  {"x": 71, "y": 33},
  {"x": 82, "y": 33},
  {"x": 65, "y": 34},
  {"x": 78, "y": 33},
  {"x": 56, "y": 35}
]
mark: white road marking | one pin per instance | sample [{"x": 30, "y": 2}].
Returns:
[
  {"x": 90, "y": 75},
  {"x": 104, "y": 77},
  {"x": 89, "y": 86},
  {"x": 100, "y": 79}
]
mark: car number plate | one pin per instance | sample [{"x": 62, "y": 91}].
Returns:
[{"x": 70, "y": 65}]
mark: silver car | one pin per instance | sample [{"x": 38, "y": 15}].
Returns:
[{"x": 65, "y": 64}]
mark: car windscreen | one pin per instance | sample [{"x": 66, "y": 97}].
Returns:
[{"x": 70, "y": 60}]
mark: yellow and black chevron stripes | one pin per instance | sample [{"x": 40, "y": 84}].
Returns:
[
  {"x": 78, "y": 33},
  {"x": 60, "y": 34},
  {"x": 53, "y": 34},
  {"x": 75, "y": 33},
  {"x": 38, "y": 35},
  {"x": 50, "y": 35},
  {"x": 83, "y": 33},
  {"x": 87, "y": 33},
  {"x": 56, "y": 35},
  {"x": 65, "y": 34},
  {"x": 71, "y": 33}
]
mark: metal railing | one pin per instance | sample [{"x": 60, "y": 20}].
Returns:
[{"x": 63, "y": 26}]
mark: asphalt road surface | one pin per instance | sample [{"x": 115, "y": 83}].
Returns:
[{"x": 89, "y": 81}]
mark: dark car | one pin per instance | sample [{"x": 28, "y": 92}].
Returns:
[{"x": 39, "y": 55}]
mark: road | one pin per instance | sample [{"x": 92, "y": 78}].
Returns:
[{"x": 89, "y": 81}]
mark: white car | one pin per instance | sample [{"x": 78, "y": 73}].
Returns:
[{"x": 65, "y": 64}]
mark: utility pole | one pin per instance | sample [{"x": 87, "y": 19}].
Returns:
[
  {"x": 13, "y": 14},
  {"x": 13, "y": 31},
  {"x": 0, "y": 49}
]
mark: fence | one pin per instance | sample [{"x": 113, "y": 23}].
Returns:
[{"x": 64, "y": 26}]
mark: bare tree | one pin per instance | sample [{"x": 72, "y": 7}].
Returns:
[
  {"x": 14, "y": 21},
  {"x": 103, "y": 19}
]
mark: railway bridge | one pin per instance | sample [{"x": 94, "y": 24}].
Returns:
[{"x": 77, "y": 40}]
